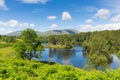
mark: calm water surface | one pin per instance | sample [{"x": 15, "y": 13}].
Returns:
[{"x": 73, "y": 57}]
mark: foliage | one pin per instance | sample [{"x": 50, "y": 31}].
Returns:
[
  {"x": 12, "y": 68},
  {"x": 26, "y": 70},
  {"x": 4, "y": 45},
  {"x": 98, "y": 47},
  {"x": 7, "y": 39},
  {"x": 68, "y": 46},
  {"x": 64, "y": 39},
  {"x": 28, "y": 44}
]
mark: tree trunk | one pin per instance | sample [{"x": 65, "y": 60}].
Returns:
[{"x": 30, "y": 55}]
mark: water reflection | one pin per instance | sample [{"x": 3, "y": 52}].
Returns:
[
  {"x": 97, "y": 61},
  {"x": 61, "y": 54},
  {"x": 116, "y": 62},
  {"x": 78, "y": 59}
]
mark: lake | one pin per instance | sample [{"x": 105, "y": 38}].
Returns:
[{"x": 74, "y": 57}]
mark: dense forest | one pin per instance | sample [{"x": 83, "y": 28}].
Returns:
[{"x": 16, "y": 53}]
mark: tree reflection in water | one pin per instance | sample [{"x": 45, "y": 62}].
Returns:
[
  {"x": 97, "y": 61},
  {"x": 63, "y": 54}
]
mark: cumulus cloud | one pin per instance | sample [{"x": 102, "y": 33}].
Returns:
[
  {"x": 35, "y": 1},
  {"x": 99, "y": 27},
  {"x": 54, "y": 26},
  {"x": 102, "y": 14},
  {"x": 66, "y": 16},
  {"x": 51, "y": 17},
  {"x": 2, "y": 5},
  {"x": 89, "y": 21},
  {"x": 15, "y": 23},
  {"x": 116, "y": 18}
]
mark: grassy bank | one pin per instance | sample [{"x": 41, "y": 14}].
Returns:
[
  {"x": 59, "y": 46},
  {"x": 12, "y": 68},
  {"x": 54, "y": 46}
]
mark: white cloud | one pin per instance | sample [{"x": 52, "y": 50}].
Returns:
[
  {"x": 51, "y": 17},
  {"x": 85, "y": 9},
  {"x": 15, "y": 23},
  {"x": 32, "y": 25},
  {"x": 53, "y": 26},
  {"x": 35, "y": 1},
  {"x": 2, "y": 5},
  {"x": 99, "y": 27},
  {"x": 89, "y": 21},
  {"x": 113, "y": 5},
  {"x": 116, "y": 18},
  {"x": 85, "y": 28},
  {"x": 66, "y": 16},
  {"x": 102, "y": 14},
  {"x": 4, "y": 30}
]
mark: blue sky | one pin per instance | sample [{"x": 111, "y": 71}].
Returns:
[{"x": 43, "y": 15}]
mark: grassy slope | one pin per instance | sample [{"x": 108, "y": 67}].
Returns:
[
  {"x": 7, "y": 53},
  {"x": 15, "y": 69}
]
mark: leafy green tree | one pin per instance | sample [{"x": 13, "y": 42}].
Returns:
[
  {"x": 28, "y": 44},
  {"x": 68, "y": 46}
]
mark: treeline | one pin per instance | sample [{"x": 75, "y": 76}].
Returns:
[
  {"x": 92, "y": 42},
  {"x": 6, "y": 41},
  {"x": 104, "y": 42},
  {"x": 68, "y": 41}
]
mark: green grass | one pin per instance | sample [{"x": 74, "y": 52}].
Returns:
[
  {"x": 4, "y": 44},
  {"x": 54, "y": 46},
  {"x": 7, "y": 53},
  {"x": 12, "y": 68}
]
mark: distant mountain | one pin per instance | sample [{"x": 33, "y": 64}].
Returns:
[
  {"x": 48, "y": 33},
  {"x": 59, "y": 32},
  {"x": 15, "y": 33}
]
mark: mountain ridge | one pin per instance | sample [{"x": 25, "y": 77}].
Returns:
[{"x": 47, "y": 33}]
